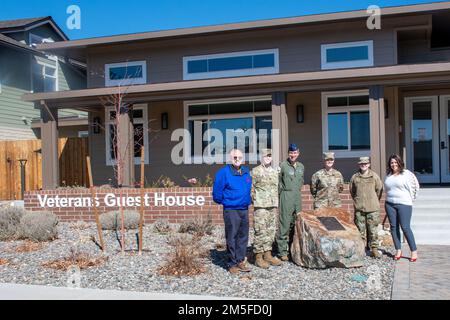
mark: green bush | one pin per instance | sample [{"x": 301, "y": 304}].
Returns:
[
  {"x": 9, "y": 221},
  {"x": 112, "y": 220},
  {"x": 38, "y": 226}
]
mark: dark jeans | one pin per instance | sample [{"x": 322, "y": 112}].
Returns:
[
  {"x": 236, "y": 234},
  {"x": 400, "y": 216}
]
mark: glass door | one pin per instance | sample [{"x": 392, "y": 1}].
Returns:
[
  {"x": 445, "y": 138},
  {"x": 422, "y": 138}
]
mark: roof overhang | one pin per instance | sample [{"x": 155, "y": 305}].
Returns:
[
  {"x": 76, "y": 48},
  {"x": 290, "y": 82}
]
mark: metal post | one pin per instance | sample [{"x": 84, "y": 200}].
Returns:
[{"x": 23, "y": 163}]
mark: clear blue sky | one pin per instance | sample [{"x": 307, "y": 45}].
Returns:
[{"x": 111, "y": 17}]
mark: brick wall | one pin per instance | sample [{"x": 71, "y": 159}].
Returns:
[{"x": 175, "y": 214}]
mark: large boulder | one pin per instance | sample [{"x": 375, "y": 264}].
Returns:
[{"x": 314, "y": 246}]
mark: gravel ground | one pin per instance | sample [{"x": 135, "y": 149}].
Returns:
[{"x": 139, "y": 273}]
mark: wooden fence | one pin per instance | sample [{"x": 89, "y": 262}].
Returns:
[{"x": 72, "y": 165}]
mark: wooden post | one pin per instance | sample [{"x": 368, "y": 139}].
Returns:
[
  {"x": 97, "y": 217},
  {"x": 141, "y": 220}
]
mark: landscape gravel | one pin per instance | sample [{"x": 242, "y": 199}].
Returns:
[{"x": 129, "y": 271}]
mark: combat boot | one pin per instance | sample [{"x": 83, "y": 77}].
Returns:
[
  {"x": 375, "y": 253},
  {"x": 271, "y": 259},
  {"x": 259, "y": 261}
]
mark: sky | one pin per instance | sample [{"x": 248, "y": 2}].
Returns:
[{"x": 112, "y": 17}]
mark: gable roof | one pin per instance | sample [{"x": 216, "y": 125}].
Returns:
[{"x": 25, "y": 24}]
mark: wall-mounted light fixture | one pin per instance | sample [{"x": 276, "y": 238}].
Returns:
[
  {"x": 300, "y": 114},
  {"x": 164, "y": 120},
  {"x": 386, "y": 109},
  {"x": 96, "y": 125}
]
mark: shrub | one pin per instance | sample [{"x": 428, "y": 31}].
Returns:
[
  {"x": 162, "y": 226},
  {"x": 38, "y": 226},
  {"x": 186, "y": 259},
  {"x": 199, "y": 225},
  {"x": 9, "y": 221},
  {"x": 112, "y": 220}
]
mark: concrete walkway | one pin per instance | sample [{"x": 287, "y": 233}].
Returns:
[
  {"x": 10, "y": 291},
  {"x": 428, "y": 278}
]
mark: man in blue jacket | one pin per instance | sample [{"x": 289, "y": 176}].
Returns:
[{"x": 232, "y": 187}]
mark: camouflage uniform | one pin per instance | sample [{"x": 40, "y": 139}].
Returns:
[
  {"x": 290, "y": 185},
  {"x": 265, "y": 202},
  {"x": 325, "y": 188},
  {"x": 366, "y": 190}
]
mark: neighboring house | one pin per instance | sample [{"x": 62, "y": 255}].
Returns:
[
  {"x": 325, "y": 82},
  {"x": 24, "y": 69}
]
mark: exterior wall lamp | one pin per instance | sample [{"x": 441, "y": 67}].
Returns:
[
  {"x": 164, "y": 121},
  {"x": 300, "y": 114}
]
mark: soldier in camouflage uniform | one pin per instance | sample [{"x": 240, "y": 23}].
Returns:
[
  {"x": 326, "y": 184},
  {"x": 289, "y": 186},
  {"x": 366, "y": 189},
  {"x": 265, "y": 202}
]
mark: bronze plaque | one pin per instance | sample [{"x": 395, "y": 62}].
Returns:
[{"x": 331, "y": 223}]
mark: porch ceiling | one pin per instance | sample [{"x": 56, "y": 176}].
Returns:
[{"x": 292, "y": 82}]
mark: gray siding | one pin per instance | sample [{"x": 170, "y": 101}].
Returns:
[{"x": 299, "y": 48}]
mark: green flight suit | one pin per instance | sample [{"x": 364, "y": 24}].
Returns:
[{"x": 290, "y": 185}]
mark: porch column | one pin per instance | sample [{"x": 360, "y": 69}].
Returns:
[
  {"x": 377, "y": 130},
  {"x": 125, "y": 144},
  {"x": 280, "y": 127},
  {"x": 49, "y": 149}
]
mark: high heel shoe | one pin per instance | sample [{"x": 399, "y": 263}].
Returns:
[{"x": 396, "y": 258}]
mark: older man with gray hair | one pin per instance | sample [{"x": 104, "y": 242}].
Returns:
[{"x": 232, "y": 186}]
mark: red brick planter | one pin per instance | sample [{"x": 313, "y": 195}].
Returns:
[{"x": 175, "y": 214}]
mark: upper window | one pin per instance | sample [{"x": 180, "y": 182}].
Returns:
[
  {"x": 126, "y": 73},
  {"x": 45, "y": 77},
  {"x": 347, "y": 55},
  {"x": 231, "y": 64},
  {"x": 346, "y": 123}
]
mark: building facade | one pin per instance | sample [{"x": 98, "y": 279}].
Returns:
[{"x": 326, "y": 82}]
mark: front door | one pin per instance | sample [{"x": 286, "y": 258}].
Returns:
[
  {"x": 427, "y": 138},
  {"x": 444, "y": 107}
]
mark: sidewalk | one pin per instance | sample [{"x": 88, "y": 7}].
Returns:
[
  {"x": 428, "y": 278},
  {"x": 10, "y": 291}
]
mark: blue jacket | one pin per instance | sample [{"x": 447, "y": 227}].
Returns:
[{"x": 232, "y": 189}]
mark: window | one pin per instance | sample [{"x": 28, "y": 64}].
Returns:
[
  {"x": 35, "y": 39},
  {"x": 346, "y": 123},
  {"x": 45, "y": 77},
  {"x": 231, "y": 64},
  {"x": 250, "y": 122},
  {"x": 140, "y": 130},
  {"x": 347, "y": 55},
  {"x": 126, "y": 73}
]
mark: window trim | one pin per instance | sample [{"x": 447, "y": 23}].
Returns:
[
  {"x": 129, "y": 81},
  {"x": 346, "y": 64},
  {"x": 188, "y": 159},
  {"x": 144, "y": 121},
  {"x": 325, "y": 111},
  {"x": 231, "y": 73}
]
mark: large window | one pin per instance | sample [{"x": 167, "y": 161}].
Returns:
[
  {"x": 347, "y": 55},
  {"x": 243, "y": 124},
  {"x": 45, "y": 76},
  {"x": 346, "y": 123},
  {"x": 126, "y": 73},
  {"x": 230, "y": 64},
  {"x": 140, "y": 131}
]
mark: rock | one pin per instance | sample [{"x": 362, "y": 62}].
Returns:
[{"x": 314, "y": 246}]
